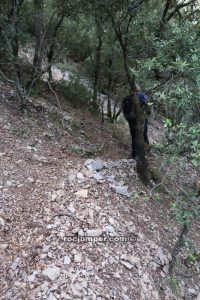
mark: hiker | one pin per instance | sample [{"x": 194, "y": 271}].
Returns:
[
  {"x": 130, "y": 113},
  {"x": 143, "y": 101}
]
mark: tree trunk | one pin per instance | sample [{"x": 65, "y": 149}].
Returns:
[
  {"x": 13, "y": 16},
  {"x": 142, "y": 162},
  {"x": 50, "y": 58},
  {"x": 38, "y": 8},
  {"x": 109, "y": 108},
  {"x": 98, "y": 63},
  {"x": 136, "y": 124},
  {"x": 50, "y": 53},
  {"x": 179, "y": 244}
]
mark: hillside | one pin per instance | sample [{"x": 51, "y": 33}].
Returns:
[{"x": 65, "y": 175}]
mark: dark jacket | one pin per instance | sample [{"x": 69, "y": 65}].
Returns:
[{"x": 127, "y": 106}]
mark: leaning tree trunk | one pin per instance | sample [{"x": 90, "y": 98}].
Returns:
[{"x": 142, "y": 162}]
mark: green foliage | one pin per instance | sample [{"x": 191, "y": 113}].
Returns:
[
  {"x": 186, "y": 140},
  {"x": 174, "y": 284},
  {"x": 75, "y": 92},
  {"x": 193, "y": 257},
  {"x": 184, "y": 211}
]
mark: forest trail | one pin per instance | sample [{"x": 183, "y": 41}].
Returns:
[{"x": 65, "y": 176}]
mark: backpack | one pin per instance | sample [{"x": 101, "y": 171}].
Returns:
[{"x": 128, "y": 108}]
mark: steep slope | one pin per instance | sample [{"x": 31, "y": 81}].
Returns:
[{"x": 65, "y": 176}]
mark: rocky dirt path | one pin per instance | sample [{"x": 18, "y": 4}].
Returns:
[{"x": 69, "y": 227}]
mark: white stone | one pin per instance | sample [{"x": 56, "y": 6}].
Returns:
[
  {"x": 52, "y": 297},
  {"x": 52, "y": 273},
  {"x": 82, "y": 193},
  {"x": 122, "y": 190},
  {"x": 109, "y": 229},
  {"x": 94, "y": 232},
  {"x": 127, "y": 265},
  {"x": 60, "y": 193},
  {"x": 2, "y": 222},
  {"x": 135, "y": 261},
  {"x": 192, "y": 292},
  {"x": 97, "y": 177},
  {"x": 88, "y": 162},
  {"x": 31, "y": 278},
  {"x": 76, "y": 288},
  {"x": 80, "y": 176},
  {"x": 67, "y": 118},
  {"x": 72, "y": 209},
  {"x": 3, "y": 246},
  {"x": 78, "y": 257},
  {"x": 67, "y": 260}
]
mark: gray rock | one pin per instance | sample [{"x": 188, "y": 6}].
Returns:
[
  {"x": 71, "y": 177},
  {"x": 109, "y": 229},
  {"x": 31, "y": 278},
  {"x": 160, "y": 257},
  {"x": 162, "y": 274},
  {"x": 81, "y": 232},
  {"x": 51, "y": 297},
  {"x": 67, "y": 260},
  {"x": 60, "y": 193},
  {"x": 46, "y": 248},
  {"x": 3, "y": 246},
  {"x": 198, "y": 297},
  {"x": 78, "y": 257},
  {"x": 111, "y": 260},
  {"x": 82, "y": 193},
  {"x": 98, "y": 177},
  {"x": 16, "y": 263},
  {"x": 76, "y": 289},
  {"x": 166, "y": 269},
  {"x": 80, "y": 176},
  {"x": 31, "y": 180},
  {"x": 111, "y": 178},
  {"x": 135, "y": 261},
  {"x": 94, "y": 232},
  {"x": 88, "y": 162},
  {"x": 2, "y": 222},
  {"x": 71, "y": 209},
  {"x": 127, "y": 265},
  {"x": 192, "y": 292},
  {"x": 122, "y": 190},
  {"x": 125, "y": 297},
  {"x": 51, "y": 273},
  {"x": 96, "y": 165},
  {"x": 10, "y": 183},
  {"x": 67, "y": 118}
]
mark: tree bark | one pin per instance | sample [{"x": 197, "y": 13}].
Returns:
[
  {"x": 13, "y": 16},
  {"x": 142, "y": 162},
  {"x": 179, "y": 244},
  {"x": 38, "y": 9},
  {"x": 51, "y": 51},
  {"x": 109, "y": 109},
  {"x": 98, "y": 62}
]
